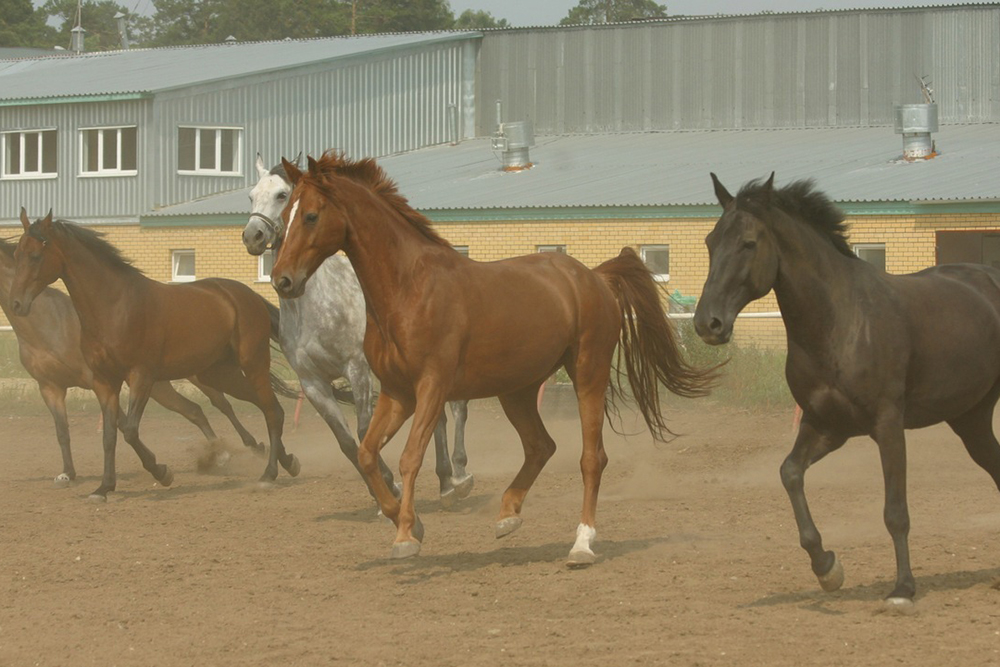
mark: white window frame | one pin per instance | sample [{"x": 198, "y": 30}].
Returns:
[
  {"x": 857, "y": 247},
  {"x": 216, "y": 171},
  {"x": 262, "y": 275},
  {"x": 20, "y": 137},
  {"x": 552, "y": 247},
  {"x": 462, "y": 250},
  {"x": 101, "y": 170},
  {"x": 175, "y": 256},
  {"x": 658, "y": 277}
]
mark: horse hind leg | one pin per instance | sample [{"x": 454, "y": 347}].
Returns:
[
  {"x": 139, "y": 394},
  {"x": 222, "y": 404},
  {"x": 975, "y": 428},
  {"x": 463, "y": 481},
  {"x": 55, "y": 400},
  {"x": 522, "y": 410}
]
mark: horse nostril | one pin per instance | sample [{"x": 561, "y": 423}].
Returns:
[
  {"x": 715, "y": 325},
  {"x": 258, "y": 236},
  {"x": 16, "y": 307},
  {"x": 284, "y": 284}
]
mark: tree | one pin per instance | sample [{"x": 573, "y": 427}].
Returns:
[
  {"x": 474, "y": 20},
  {"x": 22, "y": 25},
  {"x": 611, "y": 11},
  {"x": 377, "y": 16},
  {"x": 99, "y": 22}
]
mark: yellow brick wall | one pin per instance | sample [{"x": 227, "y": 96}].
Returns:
[{"x": 909, "y": 243}]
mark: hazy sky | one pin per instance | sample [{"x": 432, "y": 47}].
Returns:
[{"x": 549, "y": 12}]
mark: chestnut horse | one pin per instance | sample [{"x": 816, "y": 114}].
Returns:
[
  {"x": 48, "y": 342},
  {"x": 868, "y": 353},
  {"x": 443, "y": 327},
  {"x": 137, "y": 330}
]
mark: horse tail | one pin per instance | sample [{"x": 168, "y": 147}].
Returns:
[
  {"x": 648, "y": 346},
  {"x": 281, "y": 388},
  {"x": 275, "y": 314}
]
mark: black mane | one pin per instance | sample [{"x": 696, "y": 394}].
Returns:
[
  {"x": 90, "y": 239},
  {"x": 802, "y": 201}
]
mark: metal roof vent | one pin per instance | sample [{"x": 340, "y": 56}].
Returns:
[
  {"x": 513, "y": 140},
  {"x": 76, "y": 39},
  {"x": 916, "y": 122}
]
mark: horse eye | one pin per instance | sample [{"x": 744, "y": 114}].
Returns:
[
  {"x": 311, "y": 218},
  {"x": 282, "y": 196},
  {"x": 749, "y": 245}
]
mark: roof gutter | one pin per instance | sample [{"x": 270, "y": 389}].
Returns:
[{"x": 77, "y": 99}]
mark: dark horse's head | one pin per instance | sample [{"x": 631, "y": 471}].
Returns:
[
  {"x": 36, "y": 263},
  {"x": 743, "y": 260}
]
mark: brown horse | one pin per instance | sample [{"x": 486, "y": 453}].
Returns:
[
  {"x": 442, "y": 327},
  {"x": 868, "y": 353},
  {"x": 137, "y": 330},
  {"x": 48, "y": 342}
]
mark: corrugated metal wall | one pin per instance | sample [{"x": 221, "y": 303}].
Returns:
[
  {"x": 371, "y": 107},
  {"x": 70, "y": 195},
  {"x": 806, "y": 70}
]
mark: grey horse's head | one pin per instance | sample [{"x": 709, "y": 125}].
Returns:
[{"x": 267, "y": 199}]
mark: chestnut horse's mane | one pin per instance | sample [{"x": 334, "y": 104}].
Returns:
[
  {"x": 366, "y": 172},
  {"x": 94, "y": 241}
]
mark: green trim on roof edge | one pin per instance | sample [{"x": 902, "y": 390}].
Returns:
[{"x": 710, "y": 211}]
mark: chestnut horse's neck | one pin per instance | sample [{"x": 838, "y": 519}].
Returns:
[{"x": 388, "y": 251}]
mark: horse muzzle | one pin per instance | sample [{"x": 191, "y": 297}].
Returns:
[{"x": 713, "y": 329}]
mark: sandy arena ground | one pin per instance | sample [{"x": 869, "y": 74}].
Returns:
[{"x": 699, "y": 562}]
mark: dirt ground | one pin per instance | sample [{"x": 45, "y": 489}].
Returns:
[{"x": 699, "y": 562}]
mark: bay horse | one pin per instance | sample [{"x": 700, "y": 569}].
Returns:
[
  {"x": 322, "y": 335},
  {"x": 868, "y": 353},
  {"x": 135, "y": 329},
  {"x": 48, "y": 342},
  {"x": 444, "y": 327}
]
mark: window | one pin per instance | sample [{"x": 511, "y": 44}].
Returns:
[
  {"x": 552, "y": 248},
  {"x": 208, "y": 150},
  {"x": 462, "y": 250},
  {"x": 30, "y": 154},
  {"x": 873, "y": 253},
  {"x": 183, "y": 266},
  {"x": 265, "y": 263},
  {"x": 657, "y": 260},
  {"x": 108, "y": 151},
  {"x": 976, "y": 247}
]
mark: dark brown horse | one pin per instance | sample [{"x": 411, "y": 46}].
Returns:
[
  {"x": 48, "y": 342},
  {"x": 442, "y": 327},
  {"x": 137, "y": 330},
  {"x": 868, "y": 353}
]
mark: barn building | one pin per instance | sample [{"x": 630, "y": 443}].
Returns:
[{"x": 894, "y": 112}]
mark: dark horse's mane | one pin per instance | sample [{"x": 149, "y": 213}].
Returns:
[
  {"x": 367, "y": 172},
  {"x": 802, "y": 201},
  {"x": 93, "y": 241}
]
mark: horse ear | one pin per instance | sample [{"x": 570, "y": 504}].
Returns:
[
  {"x": 313, "y": 165},
  {"x": 298, "y": 159},
  {"x": 261, "y": 169},
  {"x": 721, "y": 192},
  {"x": 769, "y": 187},
  {"x": 25, "y": 222},
  {"x": 294, "y": 173}
]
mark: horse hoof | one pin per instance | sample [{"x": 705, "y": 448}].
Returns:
[
  {"x": 418, "y": 529},
  {"x": 464, "y": 486},
  {"x": 62, "y": 481},
  {"x": 900, "y": 606},
  {"x": 833, "y": 579},
  {"x": 294, "y": 467},
  {"x": 449, "y": 498},
  {"x": 509, "y": 525},
  {"x": 266, "y": 485},
  {"x": 97, "y": 498},
  {"x": 259, "y": 449},
  {"x": 167, "y": 478},
  {"x": 406, "y": 549},
  {"x": 580, "y": 559}
]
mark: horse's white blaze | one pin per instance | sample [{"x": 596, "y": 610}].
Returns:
[
  {"x": 584, "y": 538},
  {"x": 293, "y": 215}
]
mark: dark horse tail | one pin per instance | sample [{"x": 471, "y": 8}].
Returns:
[
  {"x": 648, "y": 345},
  {"x": 277, "y": 384}
]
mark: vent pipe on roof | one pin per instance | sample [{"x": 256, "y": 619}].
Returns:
[
  {"x": 916, "y": 122},
  {"x": 513, "y": 140},
  {"x": 76, "y": 39}
]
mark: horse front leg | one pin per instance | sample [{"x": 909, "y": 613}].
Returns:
[
  {"x": 387, "y": 419},
  {"x": 810, "y": 446},
  {"x": 138, "y": 398},
  {"x": 107, "y": 396},
  {"x": 55, "y": 400},
  {"x": 891, "y": 440}
]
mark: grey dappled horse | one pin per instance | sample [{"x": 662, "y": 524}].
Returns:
[{"x": 322, "y": 335}]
